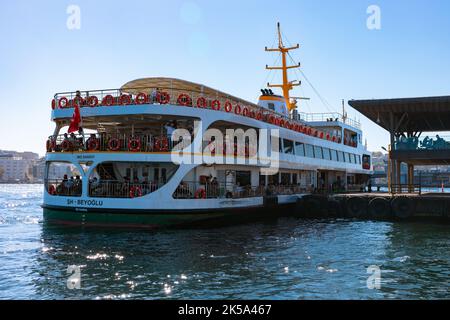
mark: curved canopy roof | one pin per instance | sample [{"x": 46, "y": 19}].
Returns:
[{"x": 147, "y": 84}]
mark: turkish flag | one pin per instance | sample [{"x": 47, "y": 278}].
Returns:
[{"x": 76, "y": 119}]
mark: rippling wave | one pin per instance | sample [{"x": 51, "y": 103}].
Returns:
[{"x": 278, "y": 259}]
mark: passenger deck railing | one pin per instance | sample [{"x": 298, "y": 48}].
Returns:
[
  {"x": 162, "y": 96},
  {"x": 406, "y": 188},
  {"x": 121, "y": 189},
  {"x": 63, "y": 187},
  {"x": 328, "y": 117}
]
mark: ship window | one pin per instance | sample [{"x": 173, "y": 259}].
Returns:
[
  {"x": 354, "y": 158},
  {"x": 359, "y": 159},
  {"x": 348, "y": 158},
  {"x": 300, "y": 149},
  {"x": 294, "y": 178},
  {"x": 318, "y": 152},
  {"x": 341, "y": 156},
  {"x": 334, "y": 155},
  {"x": 309, "y": 150},
  {"x": 326, "y": 154},
  {"x": 271, "y": 106},
  {"x": 243, "y": 178},
  {"x": 288, "y": 146}
]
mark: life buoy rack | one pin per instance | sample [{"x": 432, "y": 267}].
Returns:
[
  {"x": 63, "y": 103},
  {"x": 52, "y": 190},
  {"x": 92, "y": 101},
  {"x": 228, "y": 106},
  {"x": 114, "y": 144},
  {"x": 142, "y": 98},
  {"x": 125, "y": 99},
  {"x": 163, "y": 97},
  {"x": 93, "y": 144},
  {"x": 66, "y": 145},
  {"x": 184, "y": 100},
  {"x": 200, "y": 194},
  {"x": 201, "y": 102},
  {"x": 237, "y": 109},
  {"x": 161, "y": 144},
  {"x": 134, "y": 145},
  {"x": 135, "y": 192},
  {"x": 215, "y": 105},
  {"x": 108, "y": 100}
]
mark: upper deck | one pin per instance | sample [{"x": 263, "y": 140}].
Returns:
[{"x": 168, "y": 92}]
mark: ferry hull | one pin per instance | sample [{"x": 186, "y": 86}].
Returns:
[{"x": 150, "y": 219}]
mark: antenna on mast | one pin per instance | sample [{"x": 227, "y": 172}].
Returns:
[{"x": 287, "y": 85}]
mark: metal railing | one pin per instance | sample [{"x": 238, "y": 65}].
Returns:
[
  {"x": 112, "y": 97},
  {"x": 121, "y": 189},
  {"x": 64, "y": 187},
  {"x": 110, "y": 142},
  {"x": 406, "y": 188},
  {"x": 328, "y": 117}
]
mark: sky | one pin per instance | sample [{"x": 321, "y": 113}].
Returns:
[{"x": 220, "y": 44}]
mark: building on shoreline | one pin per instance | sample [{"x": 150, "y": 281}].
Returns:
[{"x": 16, "y": 167}]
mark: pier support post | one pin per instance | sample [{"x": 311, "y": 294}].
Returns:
[
  {"x": 398, "y": 174},
  {"x": 410, "y": 178}
]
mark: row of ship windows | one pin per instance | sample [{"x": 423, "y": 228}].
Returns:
[{"x": 307, "y": 150}]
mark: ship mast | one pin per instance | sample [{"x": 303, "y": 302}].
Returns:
[{"x": 287, "y": 85}]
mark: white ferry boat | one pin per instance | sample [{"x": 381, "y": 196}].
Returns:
[{"x": 164, "y": 152}]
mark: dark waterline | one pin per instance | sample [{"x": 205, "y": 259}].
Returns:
[{"x": 279, "y": 259}]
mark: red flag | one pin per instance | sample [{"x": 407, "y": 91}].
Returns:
[{"x": 76, "y": 119}]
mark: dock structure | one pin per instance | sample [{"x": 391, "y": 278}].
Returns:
[{"x": 410, "y": 122}]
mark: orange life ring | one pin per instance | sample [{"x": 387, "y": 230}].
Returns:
[
  {"x": 184, "y": 100},
  {"x": 134, "y": 145},
  {"x": 215, "y": 105},
  {"x": 200, "y": 194},
  {"x": 114, "y": 144},
  {"x": 141, "y": 98},
  {"x": 163, "y": 97},
  {"x": 63, "y": 103},
  {"x": 125, "y": 99},
  {"x": 201, "y": 102},
  {"x": 52, "y": 190},
  {"x": 93, "y": 144},
  {"x": 135, "y": 192},
  {"x": 228, "y": 106},
  {"x": 108, "y": 100},
  {"x": 92, "y": 101}
]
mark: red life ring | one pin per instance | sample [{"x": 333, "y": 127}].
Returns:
[
  {"x": 215, "y": 105},
  {"x": 237, "y": 109},
  {"x": 328, "y": 136},
  {"x": 92, "y": 101},
  {"x": 161, "y": 144},
  {"x": 245, "y": 112},
  {"x": 184, "y": 100},
  {"x": 309, "y": 131},
  {"x": 108, "y": 100},
  {"x": 134, "y": 145},
  {"x": 259, "y": 116},
  {"x": 163, "y": 97},
  {"x": 321, "y": 135},
  {"x": 277, "y": 121},
  {"x": 114, "y": 144},
  {"x": 66, "y": 145},
  {"x": 333, "y": 139},
  {"x": 252, "y": 114},
  {"x": 135, "y": 192},
  {"x": 53, "y": 104},
  {"x": 201, "y": 102},
  {"x": 52, "y": 190},
  {"x": 228, "y": 106},
  {"x": 125, "y": 99},
  {"x": 141, "y": 98},
  {"x": 200, "y": 194},
  {"x": 93, "y": 144},
  {"x": 63, "y": 103},
  {"x": 271, "y": 119}
]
